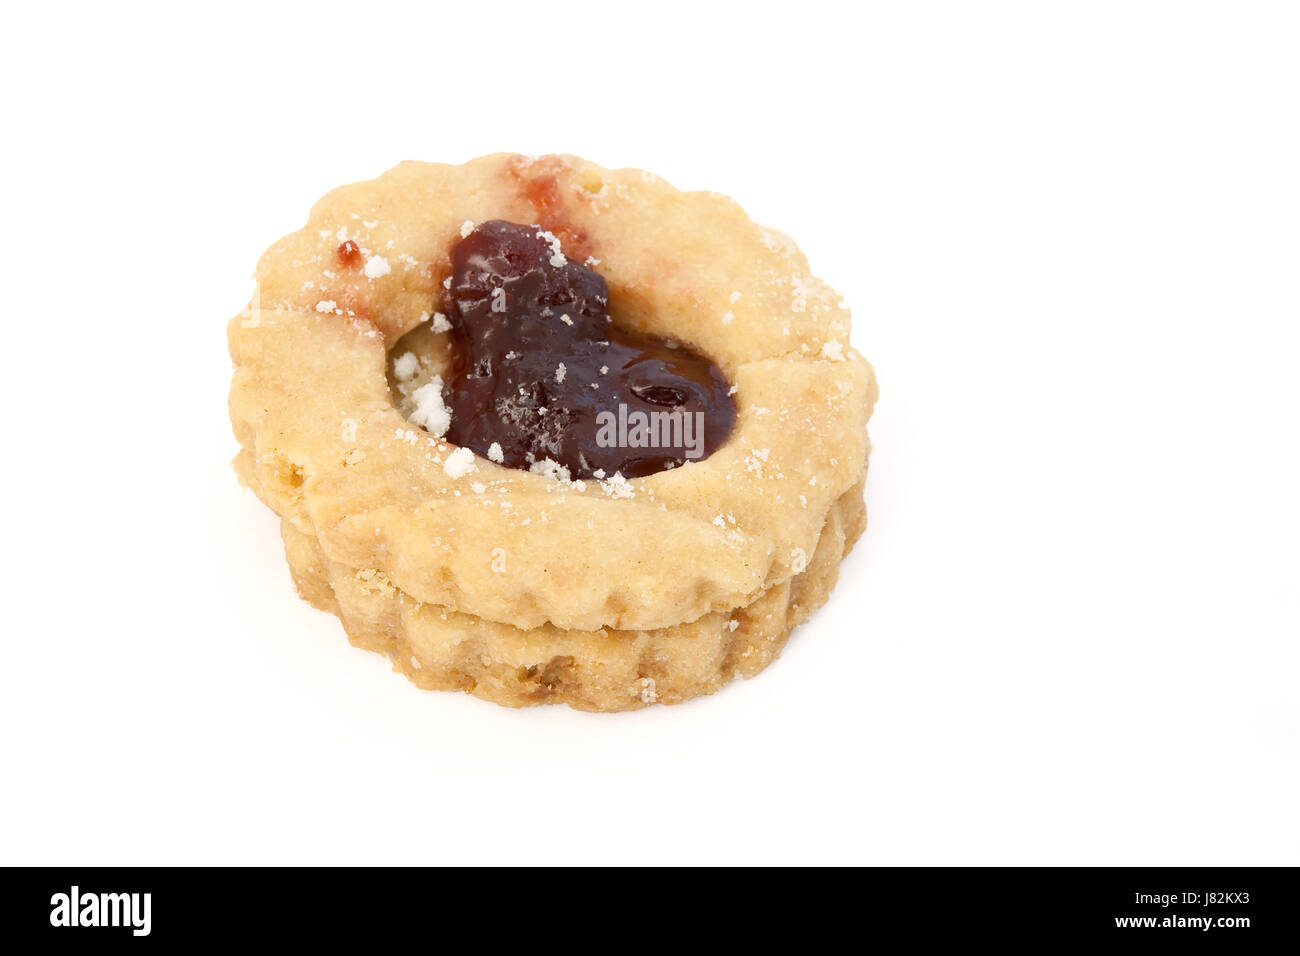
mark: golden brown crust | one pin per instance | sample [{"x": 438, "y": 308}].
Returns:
[{"x": 439, "y": 648}]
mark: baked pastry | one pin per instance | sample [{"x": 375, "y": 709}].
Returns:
[{"x": 437, "y": 388}]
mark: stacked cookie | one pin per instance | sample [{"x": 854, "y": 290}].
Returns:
[{"x": 522, "y": 587}]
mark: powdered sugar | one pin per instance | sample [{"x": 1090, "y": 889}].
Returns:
[
  {"x": 557, "y": 257},
  {"x": 550, "y": 468},
  {"x": 459, "y": 463},
  {"x": 616, "y": 486},
  {"x": 406, "y": 366},
  {"x": 431, "y": 413}
]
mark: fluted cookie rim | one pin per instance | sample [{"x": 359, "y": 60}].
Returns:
[{"x": 442, "y": 649}]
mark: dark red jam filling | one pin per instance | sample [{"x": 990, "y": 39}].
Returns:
[{"x": 540, "y": 371}]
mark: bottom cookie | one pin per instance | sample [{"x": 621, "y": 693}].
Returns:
[{"x": 607, "y": 670}]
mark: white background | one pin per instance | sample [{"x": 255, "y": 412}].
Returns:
[{"x": 1070, "y": 236}]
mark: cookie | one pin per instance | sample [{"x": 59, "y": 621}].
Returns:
[
  {"x": 439, "y": 648},
  {"x": 468, "y": 303}
]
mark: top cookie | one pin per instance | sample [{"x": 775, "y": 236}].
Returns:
[{"x": 326, "y": 446}]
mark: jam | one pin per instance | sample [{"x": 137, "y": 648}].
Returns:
[
  {"x": 540, "y": 373},
  {"x": 538, "y": 183},
  {"x": 349, "y": 254}
]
